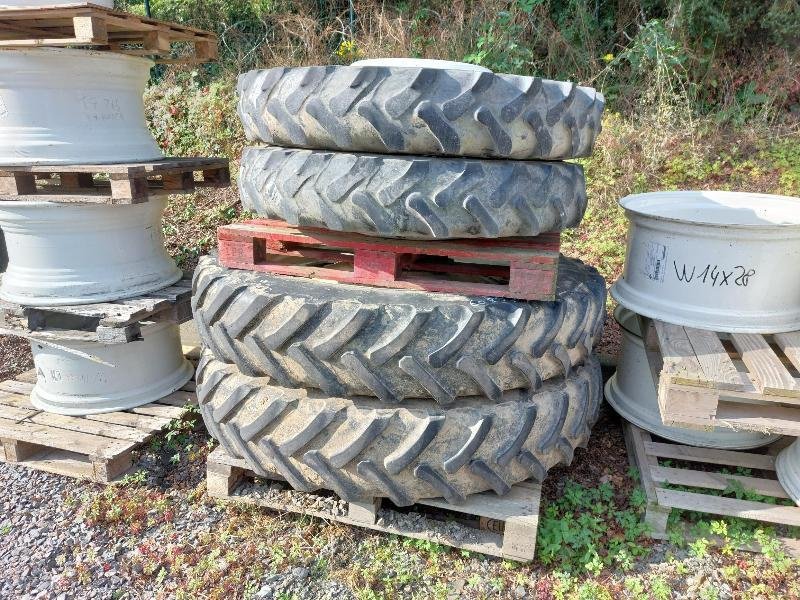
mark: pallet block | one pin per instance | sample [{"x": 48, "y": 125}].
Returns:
[
  {"x": 529, "y": 266},
  {"x": 117, "y": 322},
  {"x": 98, "y": 447},
  {"x": 644, "y": 455},
  {"x": 508, "y": 524},
  {"x": 86, "y": 24},
  {"x": 117, "y": 183},
  {"x": 709, "y": 379}
]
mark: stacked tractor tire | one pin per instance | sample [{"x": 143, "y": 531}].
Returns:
[{"x": 400, "y": 393}]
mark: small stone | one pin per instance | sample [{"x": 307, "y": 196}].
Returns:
[
  {"x": 300, "y": 573},
  {"x": 265, "y": 592},
  {"x": 519, "y": 592}
]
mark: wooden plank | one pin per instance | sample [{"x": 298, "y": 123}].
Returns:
[
  {"x": 52, "y": 437},
  {"x": 764, "y": 418},
  {"x": 16, "y": 414},
  {"x": 768, "y": 372},
  {"x": 16, "y": 400},
  {"x": 61, "y": 462},
  {"x": 83, "y": 425},
  {"x": 144, "y": 423},
  {"x": 680, "y": 363},
  {"x": 789, "y": 343},
  {"x": 731, "y": 507},
  {"x": 715, "y": 362},
  {"x": 16, "y": 387},
  {"x": 159, "y": 410},
  {"x": 716, "y": 481},
  {"x": 710, "y": 455}
]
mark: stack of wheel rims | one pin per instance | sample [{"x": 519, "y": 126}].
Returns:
[
  {"x": 70, "y": 107},
  {"x": 374, "y": 392}
]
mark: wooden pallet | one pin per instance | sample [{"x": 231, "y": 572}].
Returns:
[
  {"x": 84, "y": 24},
  {"x": 116, "y": 322},
  {"x": 526, "y": 267},
  {"x": 98, "y": 448},
  {"x": 644, "y": 455},
  {"x": 118, "y": 183},
  {"x": 504, "y": 526},
  {"x": 706, "y": 379}
]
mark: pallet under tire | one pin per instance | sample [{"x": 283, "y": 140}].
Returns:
[
  {"x": 97, "y": 448},
  {"x": 644, "y": 454},
  {"x": 528, "y": 266},
  {"x": 510, "y": 523}
]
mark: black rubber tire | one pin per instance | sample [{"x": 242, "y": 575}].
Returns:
[
  {"x": 361, "y": 449},
  {"x": 412, "y": 196},
  {"x": 392, "y": 110},
  {"x": 394, "y": 344}
]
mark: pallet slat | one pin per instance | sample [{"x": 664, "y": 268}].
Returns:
[{"x": 766, "y": 368}]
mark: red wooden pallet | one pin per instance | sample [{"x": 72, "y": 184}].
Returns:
[{"x": 522, "y": 268}]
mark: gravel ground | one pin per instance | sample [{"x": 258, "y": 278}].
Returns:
[{"x": 15, "y": 356}]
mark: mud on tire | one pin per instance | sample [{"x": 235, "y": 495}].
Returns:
[
  {"x": 362, "y": 449},
  {"x": 412, "y": 196},
  {"x": 419, "y": 111},
  {"x": 395, "y": 344}
]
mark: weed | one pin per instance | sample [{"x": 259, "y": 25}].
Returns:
[{"x": 586, "y": 530}]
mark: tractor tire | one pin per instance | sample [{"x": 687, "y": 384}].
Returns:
[
  {"x": 412, "y": 196},
  {"x": 351, "y": 340},
  {"x": 396, "y": 110},
  {"x": 362, "y": 449}
]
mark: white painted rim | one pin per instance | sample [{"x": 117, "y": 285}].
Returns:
[
  {"x": 69, "y": 254},
  {"x": 420, "y": 63},
  {"x": 787, "y": 467},
  {"x": 142, "y": 372},
  {"x": 67, "y": 106},
  {"x": 634, "y": 397},
  {"x": 716, "y": 209},
  {"x": 708, "y": 260}
]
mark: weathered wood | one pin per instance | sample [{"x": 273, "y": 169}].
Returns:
[
  {"x": 714, "y": 360},
  {"x": 117, "y": 322},
  {"x": 766, "y": 369},
  {"x": 731, "y": 507},
  {"x": 703, "y": 379}
]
